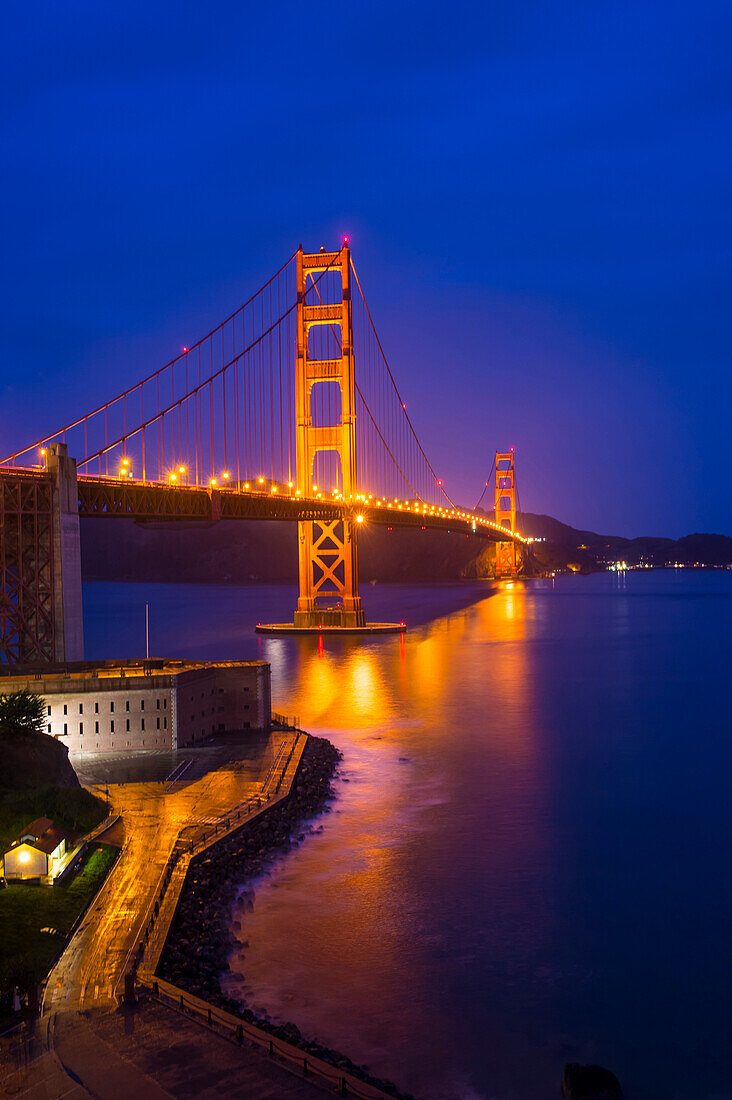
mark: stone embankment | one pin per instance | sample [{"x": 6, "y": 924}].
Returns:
[{"x": 201, "y": 938}]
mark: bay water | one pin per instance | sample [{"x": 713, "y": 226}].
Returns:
[{"x": 528, "y": 858}]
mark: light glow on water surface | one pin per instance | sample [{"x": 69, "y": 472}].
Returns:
[{"x": 525, "y": 863}]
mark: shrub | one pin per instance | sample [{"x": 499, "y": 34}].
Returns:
[{"x": 22, "y": 712}]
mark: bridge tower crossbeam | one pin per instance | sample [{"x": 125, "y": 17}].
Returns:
[{"x": 328, "y": 561}]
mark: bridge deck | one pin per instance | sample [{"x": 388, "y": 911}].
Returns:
[{"x": 109, "y": 497}]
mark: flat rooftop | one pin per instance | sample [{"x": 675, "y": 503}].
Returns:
[{"x": 113, "y": 670}]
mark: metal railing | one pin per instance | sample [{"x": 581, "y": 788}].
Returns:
[
  {"x": 284, "y": 720},
  {"x": 236, "y": 1029},
  {"x": 226, "y": 824},
  {"x": 22, "y": 1043},
  {"x": 280, "y": 764},
  {"x": 232, "y": 1027}
]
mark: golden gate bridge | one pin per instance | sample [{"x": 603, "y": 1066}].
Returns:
[{"x": 288, "y": 409}]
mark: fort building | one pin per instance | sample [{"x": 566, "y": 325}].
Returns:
[{"x": 148, "y": 704}]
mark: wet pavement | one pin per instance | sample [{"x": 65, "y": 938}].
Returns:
[
  {"x": 172, "y": 798},
  {"x": 100, "y": 769},
  {"x": 154, "y": 815},
  {"x": 154, "y": 1051}
]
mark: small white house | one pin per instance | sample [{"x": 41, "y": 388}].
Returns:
[{"x": 37, "y": 853}]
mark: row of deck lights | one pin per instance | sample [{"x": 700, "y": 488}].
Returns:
[
  {"x": 401, "y": 505},
  {"x": 178, "y": 475}
]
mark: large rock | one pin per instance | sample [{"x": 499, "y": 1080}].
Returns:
[
  {"x": 34, "y": 760},
  {"x": 589, "y": 1083}
]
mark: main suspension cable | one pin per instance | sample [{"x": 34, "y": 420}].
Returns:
[
  {"x": 151, "y": 377},
  {"x": 438, "y": 481},
  {"x": 486, "y": 486}
]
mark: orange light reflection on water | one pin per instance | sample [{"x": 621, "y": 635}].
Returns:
[{"x": 438, "y": 727}]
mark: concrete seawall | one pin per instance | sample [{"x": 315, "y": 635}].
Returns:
[
  {"x": 186, "y": 972},
  {"x": 155, "y": 929}
]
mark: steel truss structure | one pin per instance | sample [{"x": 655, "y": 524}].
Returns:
[
  {"x": 27, "y": 606},
  {"x": 107, "y": 498},
  {"x": 505, "y": 504},
  {"x": 327, "y": 552},
  {"x": 27, "y": 594}
]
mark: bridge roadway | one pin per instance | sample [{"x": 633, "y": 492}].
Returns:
[{"x": 127, "y": 498}]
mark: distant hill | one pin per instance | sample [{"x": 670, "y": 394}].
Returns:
[
  {"x": 256, "y": 552},
  {"x": 696, "y": 549}
]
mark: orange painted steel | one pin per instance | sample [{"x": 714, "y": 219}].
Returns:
[
  {"x": 327, "y": 550},
  {"x": 212, "y": 436},
  {"x": 505, "y": 505},
  {"x": 27, "y": 605}
]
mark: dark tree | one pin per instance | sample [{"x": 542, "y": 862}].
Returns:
[{"x": 22, "y": 712}]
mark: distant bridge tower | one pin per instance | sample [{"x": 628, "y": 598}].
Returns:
[
  {"x": 328, "y": 563},
  {"x": 505, "y": 512}
]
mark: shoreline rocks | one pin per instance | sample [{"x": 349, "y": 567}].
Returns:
[{"x": 201, "y": 937}]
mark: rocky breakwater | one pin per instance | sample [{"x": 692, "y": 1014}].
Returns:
[{"x": 201, "y": 938}]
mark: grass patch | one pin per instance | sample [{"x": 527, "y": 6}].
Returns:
[
  {"x": 76, "y": 810},
  {"x": 26, "y": 953}
]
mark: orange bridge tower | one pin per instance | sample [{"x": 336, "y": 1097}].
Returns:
[
  {"x": 505, "y": 512},
  {"x": 328, "y": 563}
]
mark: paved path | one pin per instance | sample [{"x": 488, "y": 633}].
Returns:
[
  {"x": 110, "y": 1053},
  {"x": 153, "y": 816},
  {"x": 154, "y": 1052},
  {"x": 96, "y": 1066},
  {"x": 150, "y": 1053}
]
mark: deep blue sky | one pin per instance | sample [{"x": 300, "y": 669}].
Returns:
[{"x": 538, "y": 197}]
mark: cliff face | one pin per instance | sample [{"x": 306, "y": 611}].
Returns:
[{"x": 34, "y": 760}]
